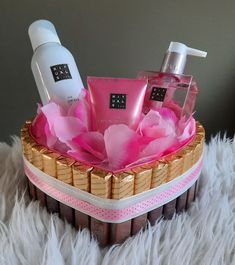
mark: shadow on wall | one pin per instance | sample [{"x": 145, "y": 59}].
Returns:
[{"x": 218, "y": 122}]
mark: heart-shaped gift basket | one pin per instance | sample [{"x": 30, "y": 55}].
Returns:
[{"x": 114, "y": 156}]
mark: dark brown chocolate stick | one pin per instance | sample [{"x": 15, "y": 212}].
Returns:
[
  {"x": 64, "y": 173},
  {"x": 197, "y": 188},
  {"x": 181, "y": 202},
  {"x": 37, "y": 151},
  {"x": 175, "y": 169},
  {"x": 159, "y": 177},
  {"x": 52, "y": 205},
  {"x": 81, "y": 180},
  {"x": 120, "y": 232},
  {"x": 169, "y": 209},
  {"x": 66, "y": 213},
  {"x": 143, "y": 179},
  {"x": 27, "y": 144},
  {"x": 82, "y": 220},
  {"x": 32, "y": 191},
  {"x": 101, "y": 231},
  {"x": 41, "y": 197},
  {"x": 122, "y": 187},
  {"x": 190, "y": 196},
  {"x": 49, "y": 167},
  {"x": 101, "y": 187},
  {"x": 28, "y": 186},
  {"x": 138, "y": 223},
  {"x": 154, "y": 215}
]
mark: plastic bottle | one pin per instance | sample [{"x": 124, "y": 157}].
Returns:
[
  {"x": 170, "y": 87},
  {"x": 54, "y": 68}
]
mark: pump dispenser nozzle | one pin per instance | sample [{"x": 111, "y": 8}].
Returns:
[{"x": 176, "y": 56}]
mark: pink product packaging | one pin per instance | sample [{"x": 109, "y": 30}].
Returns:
[
  {"x": 170, "y": 87},
  {"x": 116, "y": 101},
  {"x": 174, "y": 91}
]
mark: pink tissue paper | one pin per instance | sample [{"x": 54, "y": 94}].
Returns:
[{"x": 68, "y": 131}]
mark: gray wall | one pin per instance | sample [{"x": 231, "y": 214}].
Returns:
[{"x": 119, "y": 38}]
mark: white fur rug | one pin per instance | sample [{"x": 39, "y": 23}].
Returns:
[{"x": 203, "y": 235}]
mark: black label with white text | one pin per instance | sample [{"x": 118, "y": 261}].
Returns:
[
  {"x": 117, "y": 101},
  {"x": 60, "y": 72},
  {"x": 158, "y": 93}
]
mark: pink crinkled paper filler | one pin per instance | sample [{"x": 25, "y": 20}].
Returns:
[{"x": 68, "y": 131}]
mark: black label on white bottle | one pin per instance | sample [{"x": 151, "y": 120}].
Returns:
[{"x": 60, "y": 72}]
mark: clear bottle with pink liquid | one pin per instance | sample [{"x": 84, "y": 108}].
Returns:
[{"x": 170, "y": 87}]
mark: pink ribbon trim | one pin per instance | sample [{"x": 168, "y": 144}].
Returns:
[{"x": 117, "y": 215}]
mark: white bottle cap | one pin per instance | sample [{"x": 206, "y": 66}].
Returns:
[
  {"x": 42, "y": 31},
  {"x": 176, "y": 56}
]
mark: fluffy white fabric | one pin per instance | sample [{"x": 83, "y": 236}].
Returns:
[{"x": 203, "y": 235}]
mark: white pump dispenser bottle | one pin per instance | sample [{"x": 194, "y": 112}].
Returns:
[
  {"x": 170, "y": 85},
  {"x": 54, "y": 69},
  {"x": 176, "y": 56}
]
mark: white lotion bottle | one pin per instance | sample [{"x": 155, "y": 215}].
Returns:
[{"x": 54, "y": 68}]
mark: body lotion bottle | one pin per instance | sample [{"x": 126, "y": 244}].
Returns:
[
  {"x": 54, "y": 68},
  {"x": 170, "y": 87}
]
